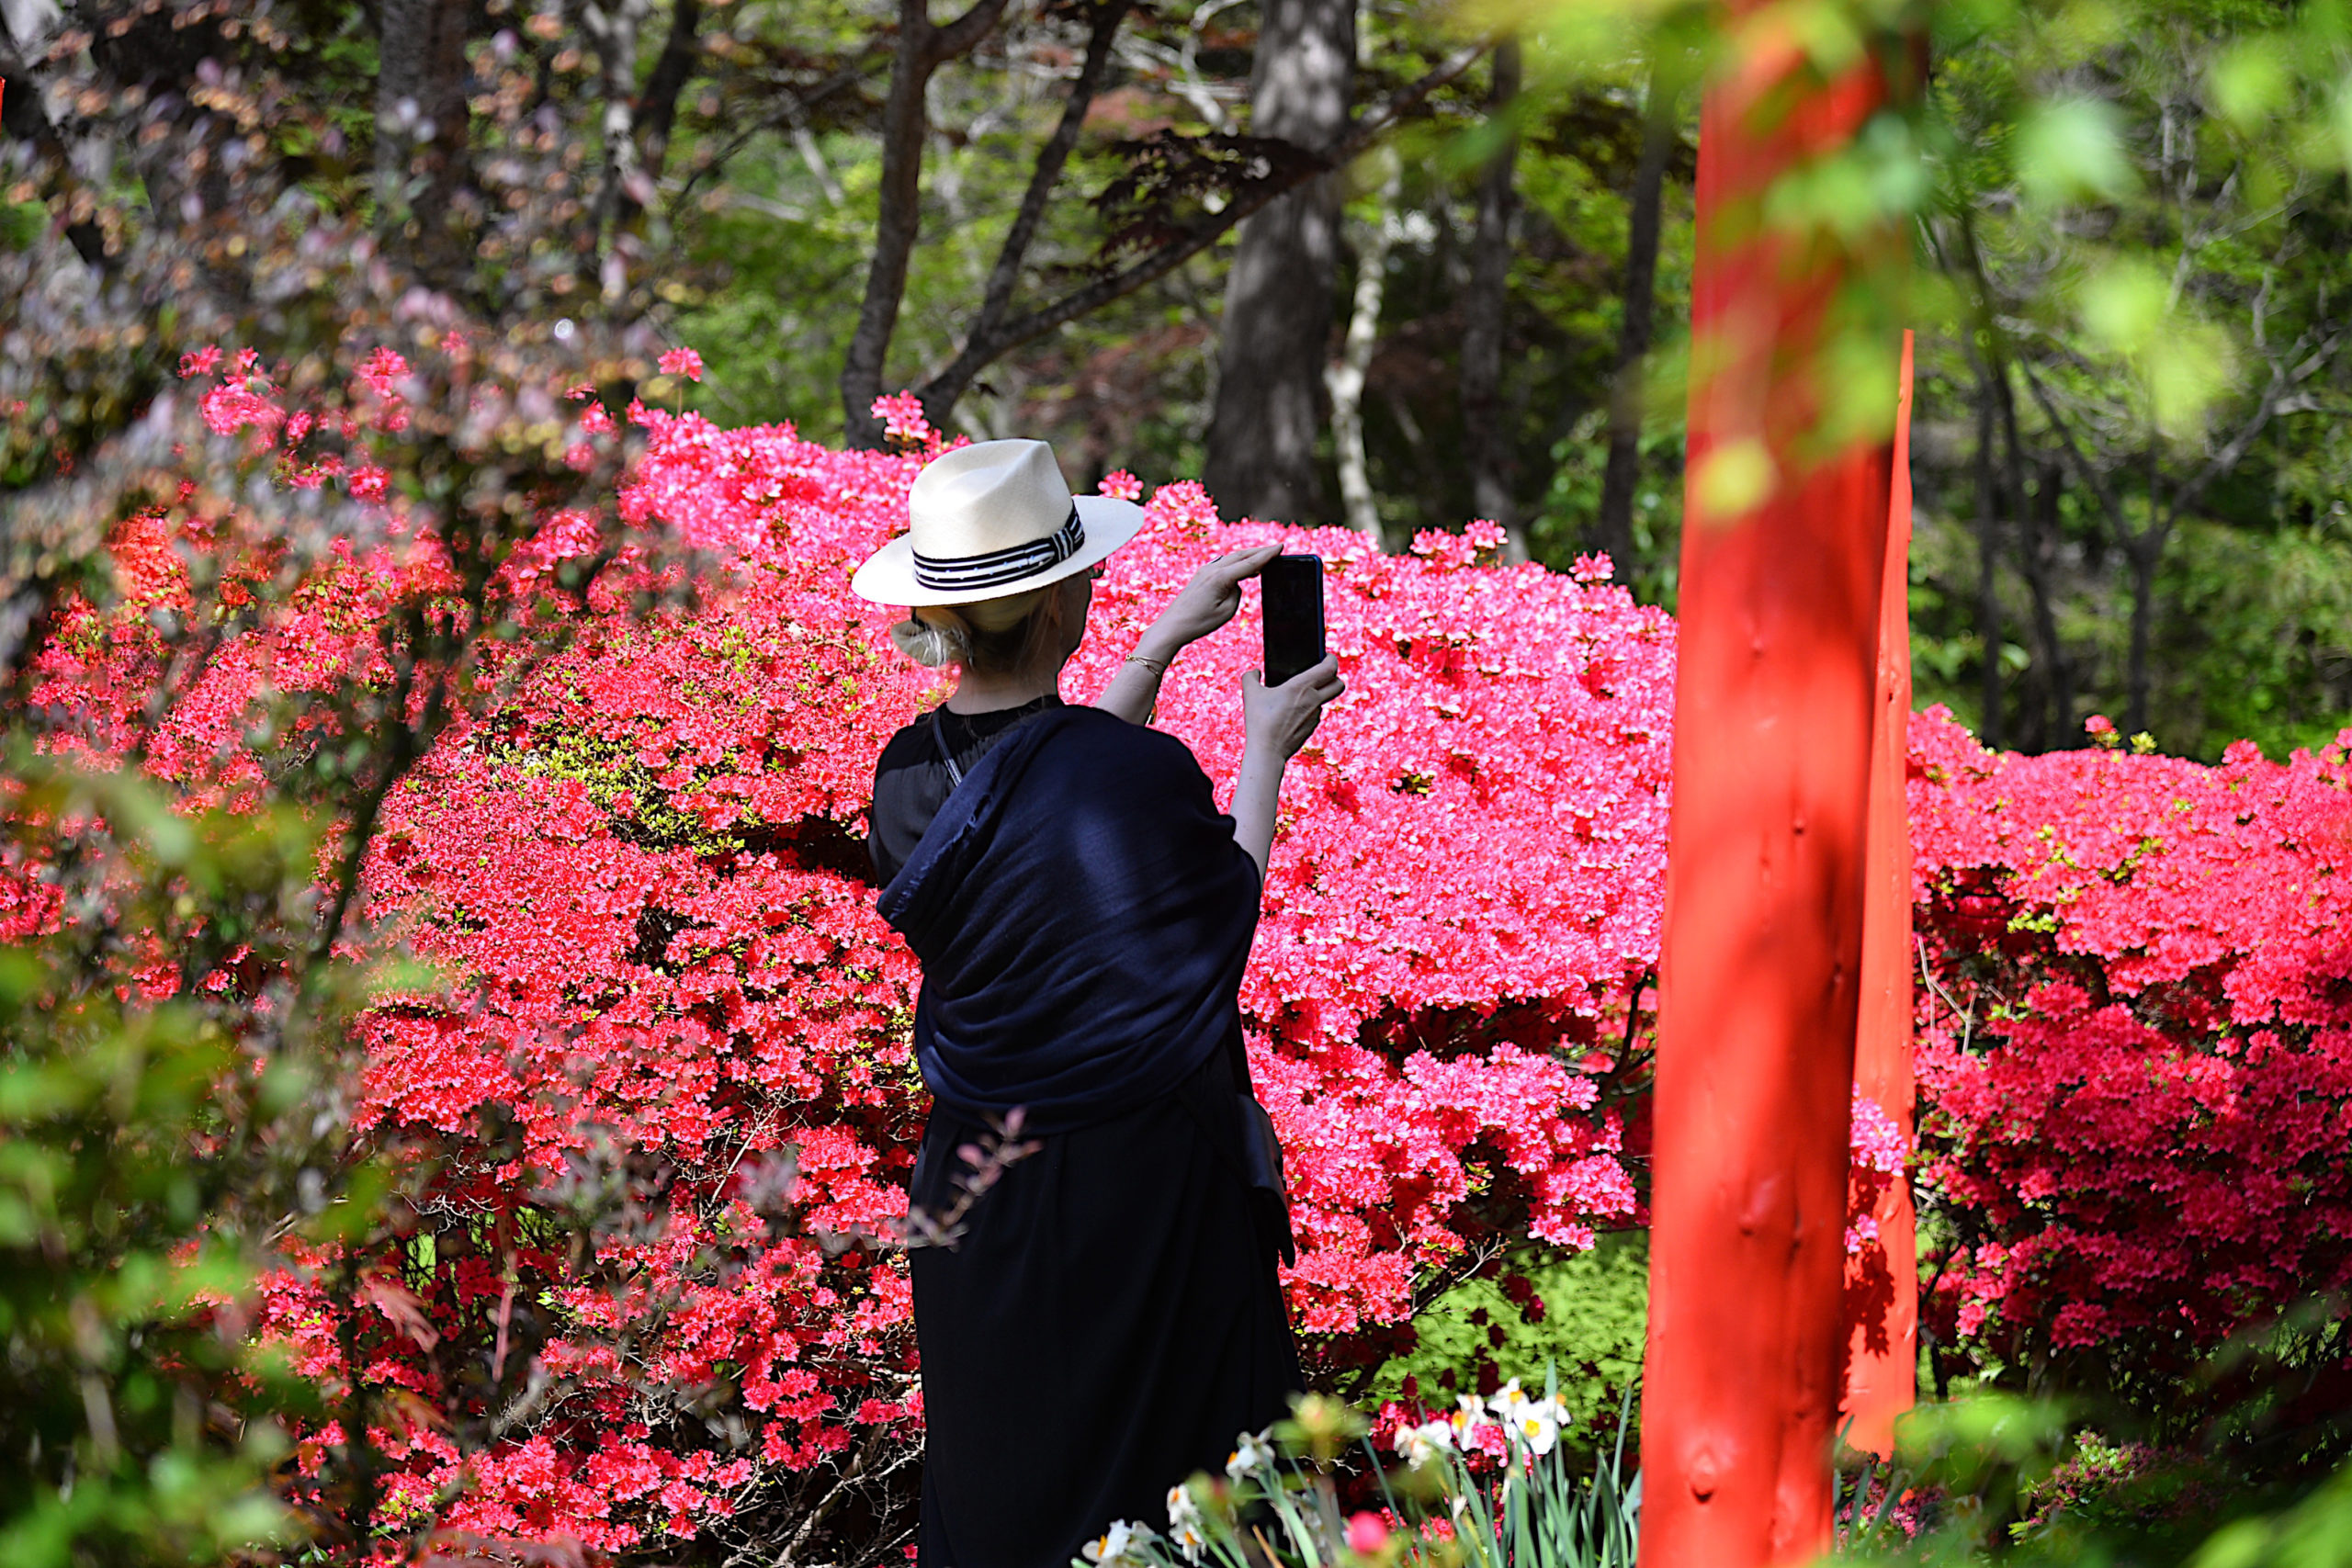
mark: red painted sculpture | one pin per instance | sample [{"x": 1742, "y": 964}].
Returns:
[
  {"x": 1882, "y": 1263},
  {"x": 1775, "y": 695}
]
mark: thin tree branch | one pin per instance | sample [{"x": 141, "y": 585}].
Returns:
[
  {"x": 2274, "y": 401},
  {"x": 1051, "y": 159},
  {"x": 658, "y": 115},
  {"x": 959, "y": 37},
  {"x": 941, "y": 390}
]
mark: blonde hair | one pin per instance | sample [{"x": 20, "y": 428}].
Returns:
[{"x": 993, "y": 637}]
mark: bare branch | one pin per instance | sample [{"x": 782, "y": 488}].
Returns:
[
  {"x": 2275, "y": 400},
  {"x": 1051, "y": 158},
  {"x": 940, "y": 393},
  {"x": 2082, "y": 467},
  {"x": 959, "y": 37}
]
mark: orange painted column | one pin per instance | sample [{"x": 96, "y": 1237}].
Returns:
[
  {"x": 1882, "y": 1279},
  {"x": 1775, "y": 701}
]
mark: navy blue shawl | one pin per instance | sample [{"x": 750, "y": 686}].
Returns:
[{"x": 1083, "y": 916}]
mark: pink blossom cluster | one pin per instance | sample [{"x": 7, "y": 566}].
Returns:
[
  {"x": 644, "y": 879},
  {"x": 2135, "y": 1044}
]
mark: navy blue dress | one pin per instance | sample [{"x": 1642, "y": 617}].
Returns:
[{"x": 1111, "y": 1316}]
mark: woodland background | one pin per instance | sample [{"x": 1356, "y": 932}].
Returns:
[{"x": 1025, "y": 213}]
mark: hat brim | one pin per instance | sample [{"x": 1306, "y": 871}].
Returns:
[{"x": 889, "y": 575}]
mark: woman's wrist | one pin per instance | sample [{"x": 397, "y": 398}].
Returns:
[{"x": 1160, "y": 644}]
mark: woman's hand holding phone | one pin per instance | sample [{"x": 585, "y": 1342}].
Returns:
[
  {"x": 1278, "y": 720},
  {"x": 1212, "y": 598},
  {"x": 1281, "y": 718}
]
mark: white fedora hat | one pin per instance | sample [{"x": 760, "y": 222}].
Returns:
[{"x": 989, "y": 519}]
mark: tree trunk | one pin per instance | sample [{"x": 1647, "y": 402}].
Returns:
[
  {"x": 1344, "y": 379},
  {"x": 2146, "y": 551},
  {"x": 1277, "y": 323},
  {"x": 940, "y": 394},
  {"x": 1988, "y": 557},
  {"x": 992, "y": 338},
  {"x": 615, "y": 27},
  {"x": 896, "y": 225},
  {"x": 421, "y": 164},
  {"x": 2038, "y": 518},
  {"x": 658, "y": 112},
  {"x": 2040, "y": 511},
  {"x": 1613, "y": 530},
  {"x": 922, "y": 49},
  {"x": 638, "y": 124},
  {"x": 1485, "y": 437}
]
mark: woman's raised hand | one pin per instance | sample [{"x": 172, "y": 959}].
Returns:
[
  {"x": 1280, "y": 718},
  {"x": 1212, "y": 598}
]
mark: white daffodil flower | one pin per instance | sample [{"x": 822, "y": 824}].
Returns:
[
  {"x": 1469, "y": 1413},
  {"x": 1120, "y": 1544},
  {"x": 1508, "y": 1402},
  {"x": 1534, "y": 1427},
  {"x": 1181, "y": 1509},
  {"x": 1250, "y": 1452},
  {"x": 1423, "y": 1443},
  {"x": 1189, "y": 1541}
]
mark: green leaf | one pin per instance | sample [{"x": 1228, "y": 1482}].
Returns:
[{"x": 2071, "y": 149}]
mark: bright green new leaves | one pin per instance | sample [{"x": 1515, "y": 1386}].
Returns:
[{"x": 156, "y": 1139}]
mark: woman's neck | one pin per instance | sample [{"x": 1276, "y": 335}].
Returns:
[{"x": 988, "y": 694}]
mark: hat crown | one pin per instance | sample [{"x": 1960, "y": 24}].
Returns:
[{"x": 990, "y": 496}]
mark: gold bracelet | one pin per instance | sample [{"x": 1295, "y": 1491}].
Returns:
[{"x": 1159, "y": 667}]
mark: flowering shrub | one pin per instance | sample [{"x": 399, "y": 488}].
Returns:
[
  {"x": 2136, "y": 1044},
  {"x": 663, "y": 997},
  {"x": 659, "y": 1082}
]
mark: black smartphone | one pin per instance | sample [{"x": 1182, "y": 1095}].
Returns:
[{"x": 1293, "y": 590}]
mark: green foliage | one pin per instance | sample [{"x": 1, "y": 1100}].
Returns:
[
  {"x": 1589, "y": 1329},
  {"x": 154, "y": 1147}
]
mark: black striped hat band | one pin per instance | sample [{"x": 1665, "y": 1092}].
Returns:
[{"x": 959, "y": 574}]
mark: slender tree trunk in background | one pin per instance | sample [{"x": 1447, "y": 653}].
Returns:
[
  {"x": 658, "y": 111},
  {"x": 1344, "y": 379},
  {"x": 1483, "y": 419},
  {"x": 1613, "y": 531},
  {"x": 922, "y": 49},
  {"x": 1988, "y": 556},
  {"x": 996, "y": 332},
  {"x": 421, "y": 111},
  {"x": 2144, "y": 551},
  {"x": 1277, "y": 325},
  {"x": 614, "y": 26},
  {"x": 636, "y": 124},
  {"x": 2038, "y": 517},
  {"x": 2042, "y": 516}
]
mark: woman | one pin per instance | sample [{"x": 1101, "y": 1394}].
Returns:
[{"x": 1110, "y": 1318}]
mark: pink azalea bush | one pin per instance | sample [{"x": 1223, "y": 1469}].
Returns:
[
  {"x": 664, "y": 990},
  {"x": 662, "y": 996},
  {"x": 2135, "y": 1052}
]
